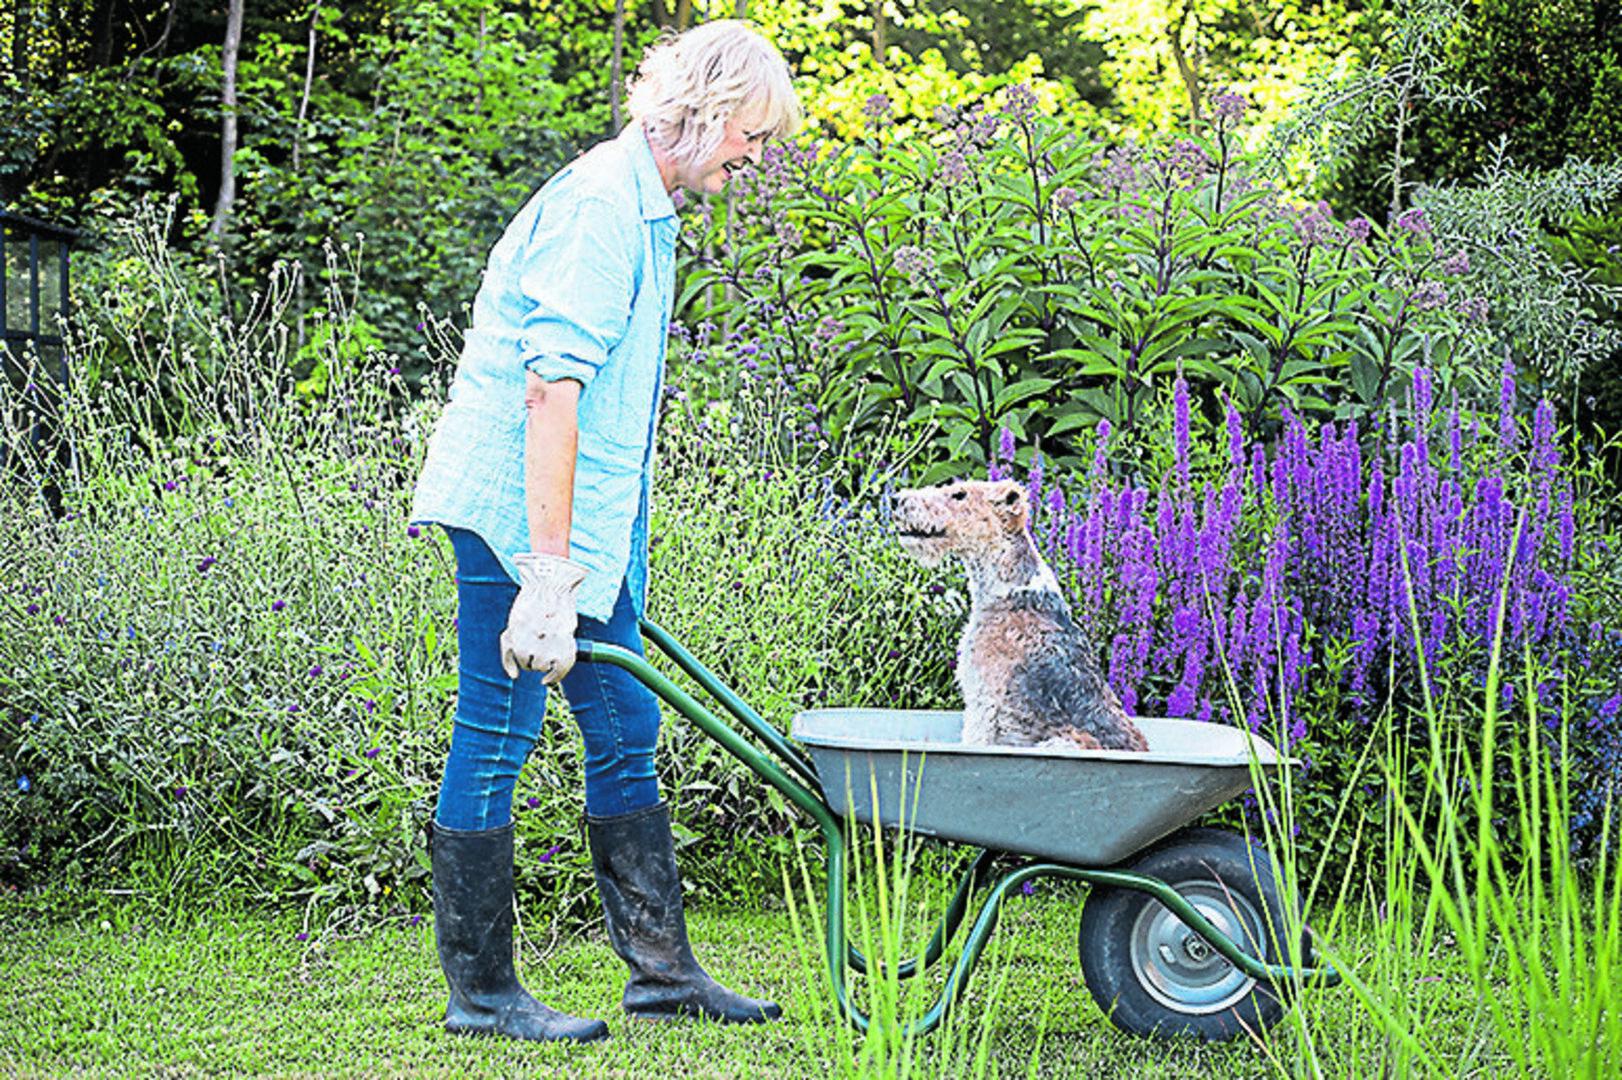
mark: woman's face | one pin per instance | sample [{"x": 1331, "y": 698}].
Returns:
[{"x": 744, "y": 137}]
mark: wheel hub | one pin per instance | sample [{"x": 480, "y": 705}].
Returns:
[{"x": 1179, "y": 968}]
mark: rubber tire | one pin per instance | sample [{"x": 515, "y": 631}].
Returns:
[{"x": 1110, "y": 914}]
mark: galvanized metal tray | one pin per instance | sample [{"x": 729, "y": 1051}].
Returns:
[{"x": 1080, "y": 807}]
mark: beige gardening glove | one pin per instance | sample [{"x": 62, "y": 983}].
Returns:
[{"x": 541, "y": 625}]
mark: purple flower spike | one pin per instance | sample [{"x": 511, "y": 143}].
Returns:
[{"x": 1180, "y": 410}]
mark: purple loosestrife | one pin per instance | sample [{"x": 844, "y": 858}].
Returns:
[
  {"x": 1180, "y": 426},
  {"x": 1247, "y": 566}
]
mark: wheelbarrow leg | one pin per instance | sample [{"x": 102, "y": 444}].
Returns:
[
  {"x": 945, "y": 931},
  {"x": 958, "y": 980}
]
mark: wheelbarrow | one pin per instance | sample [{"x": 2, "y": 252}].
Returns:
[{"x": 1183, "y": 929}]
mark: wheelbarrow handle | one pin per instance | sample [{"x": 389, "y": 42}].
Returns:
[{"x": 804, "y": 793}]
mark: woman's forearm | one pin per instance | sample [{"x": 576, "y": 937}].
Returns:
[{"x": 550, "y": 441}]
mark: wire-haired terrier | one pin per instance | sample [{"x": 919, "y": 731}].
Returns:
[{"x": 1028, "y": 671}]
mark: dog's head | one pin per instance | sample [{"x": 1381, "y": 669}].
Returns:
[{"x": 969, "y": 517}]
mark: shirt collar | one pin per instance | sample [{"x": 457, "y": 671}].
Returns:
[{"x": 655, "y": 200}]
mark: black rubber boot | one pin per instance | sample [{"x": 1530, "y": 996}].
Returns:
[
  {"x": 473, "y": 925},
  {"x": 634, "y": 857}
]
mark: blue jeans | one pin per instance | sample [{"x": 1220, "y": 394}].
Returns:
[{"x": 498, "y": 719}]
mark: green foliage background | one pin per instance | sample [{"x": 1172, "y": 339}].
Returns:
[{"x": 281, "y": 377}]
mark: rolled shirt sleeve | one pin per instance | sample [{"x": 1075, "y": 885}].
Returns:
[{"x": 579, "y": 276}]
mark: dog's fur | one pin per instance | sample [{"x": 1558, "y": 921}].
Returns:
[{"x": 1028, "y": 671}]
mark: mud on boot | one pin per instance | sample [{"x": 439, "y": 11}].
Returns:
[
  {"x": 473, "y": 927},
  {"x": 634, "y": 858}
]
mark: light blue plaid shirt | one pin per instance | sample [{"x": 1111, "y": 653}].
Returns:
[{"x": 580, "y": 286}]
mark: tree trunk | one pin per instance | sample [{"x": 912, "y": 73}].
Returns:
[
  {"x": 616, "y": 71},
  {"x": 22, "y": 20},
  {"x": 1191, "y": 77},
  {"x": 478, "y": 65},
  {"x": 228, "y": 119},
  {"x": 878, "y": 30},
  {"x": 304, "y": 98},
  {"x": 684, "y": 14},
  {"x": 661, "y": 14},
  {"x": 101, "y": 34},
  {"x": 741, "y": 11}
]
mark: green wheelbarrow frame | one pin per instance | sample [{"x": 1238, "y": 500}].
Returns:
[{"x": 796, "y": 779}]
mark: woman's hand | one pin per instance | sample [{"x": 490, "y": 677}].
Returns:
[{"x": 541, "y": 625}]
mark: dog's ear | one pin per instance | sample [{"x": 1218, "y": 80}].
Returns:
[{"x": 1009, "y": 500}]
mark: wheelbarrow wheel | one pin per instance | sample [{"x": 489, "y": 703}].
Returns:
[{"x": 1152, "y": 975}]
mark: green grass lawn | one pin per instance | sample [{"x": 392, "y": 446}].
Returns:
[{"x": 120, "y": 993}]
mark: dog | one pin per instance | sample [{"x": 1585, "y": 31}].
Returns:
[{"x": 1028, "y": 671}]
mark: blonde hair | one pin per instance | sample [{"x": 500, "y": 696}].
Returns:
[{"x": 688, "y": 86}]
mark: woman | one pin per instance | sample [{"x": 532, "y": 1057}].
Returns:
[{"x": 539, "y": 472}]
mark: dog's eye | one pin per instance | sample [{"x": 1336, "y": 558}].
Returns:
[
  {"x": 1011, "y": 498},
  {"x": 959, "y": 496}
]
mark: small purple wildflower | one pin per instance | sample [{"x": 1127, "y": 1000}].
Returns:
[
  {"x": 278, "y": 605},
  {"x": 1358, "y": 230},
  {"x": 413, "y": 532},
  {"x": 1456, "y": 264},
  {"x": 876, "y": 108},
  {"x": 371, "y": 753},
  {"x": 1019, "y": 103},
  {"x": 546, "y": 856},
  {"x": 1229, "y": 107},
  {"x": 913, "y": 261},
  {"x": 205, "y": 562},
  {"x": 1413, "y": 220},
  {"x": 1430, "y": 294}
]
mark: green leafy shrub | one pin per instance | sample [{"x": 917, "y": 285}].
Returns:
[
  {"x": 230, "y": 664},
  {"x": 997, "y": 271}
]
